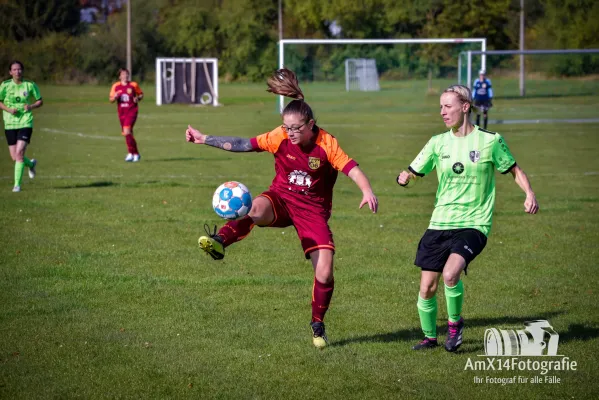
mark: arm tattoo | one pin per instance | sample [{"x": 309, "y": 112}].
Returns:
[{"x": 229, "y": 143}]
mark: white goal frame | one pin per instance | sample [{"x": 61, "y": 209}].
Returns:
[
  {"x": 213, "y": 85},
  {"x": 283, "y": 42},
  {"x": 484, "y": 54}
]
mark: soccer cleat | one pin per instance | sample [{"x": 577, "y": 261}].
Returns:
[
  {"x": 212, "y": 244},
  {"x": 136, "y": 157},
  {"x": 426, "y": 343},
  {"x": 16, "y": 189},
  {"x": 319, "y": 337},
  {"x": 32, "y": 168},
  {"x": 129, "y": 157},
  {"x": 454, "y": 335}
]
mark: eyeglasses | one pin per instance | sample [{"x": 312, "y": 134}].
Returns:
[{"x": 295, "y": 129}]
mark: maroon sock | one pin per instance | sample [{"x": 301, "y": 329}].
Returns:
[
  {"x": 321, "y": 298},
  {"x": 131, "y": 144},
  {"x": 234, "y": 231}
]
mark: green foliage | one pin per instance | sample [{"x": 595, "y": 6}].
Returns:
[
  {"x": 25, "y": 19},
  {"x": 243, "y": 34}
]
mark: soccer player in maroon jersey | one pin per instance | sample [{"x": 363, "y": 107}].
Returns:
[
  {"x": 127, "y": 94},
  {"x": 307, "y": 161}
]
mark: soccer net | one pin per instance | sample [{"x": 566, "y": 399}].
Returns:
[
  {"x": 361, "y": 74},
  {"x": 425, "y": 64},
  {"x": 546, "y": 73},
  {"x": 187, "y": 80}
]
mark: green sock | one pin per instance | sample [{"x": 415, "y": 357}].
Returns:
[
  {"x": 19, "y": 166},
  {"x": 455, "y": 298},
  {"x": 27, "y": 162},
  {"x": 427, "y": 309}
]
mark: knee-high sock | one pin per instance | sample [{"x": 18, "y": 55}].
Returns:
[
  {"x": 478, "y": 119},
  {"x": 455, "y": 298},
  {"x": 321, "y": 298},
  {"x": 234, "y": 231},
  {"x": 27, "y": 162},
  {"x": 427, "y": 309},
  {"x": 131, "y": 144},
  {"x": 486, "y": 118},
  {"x": 19, "y": 166}
]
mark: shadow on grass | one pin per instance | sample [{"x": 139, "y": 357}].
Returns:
[
  {"x": 470, "y": 345},
  {"x": 579, "y": 332},
  {"x": 89, "y": 185}
]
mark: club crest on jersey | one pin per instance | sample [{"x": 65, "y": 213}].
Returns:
[
  {"x": 129, "y": 91},
  {"x": 313, "y": 162},
  {"x": 474, "y": 156},
  {"x": 25, "y": 93}
]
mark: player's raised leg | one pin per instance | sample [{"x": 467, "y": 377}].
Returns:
[{"x": 261, "y": 214}]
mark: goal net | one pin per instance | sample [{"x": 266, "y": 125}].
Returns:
[
  {"x": 187, "y": 80},
  {"x": 426, "y": 64},
  {"x": 361, "y": 74}
]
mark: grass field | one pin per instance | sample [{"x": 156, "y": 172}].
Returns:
[{"x": 105, "y": 294}]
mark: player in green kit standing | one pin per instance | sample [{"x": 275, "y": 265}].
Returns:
[
  {"x": 466, "y": 158},
  {"x": 18, "y": 97}
]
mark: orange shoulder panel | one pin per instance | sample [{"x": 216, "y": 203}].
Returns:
[
  {"x": 335, "y": 154},
  {"x": 113, "y": 89},
  {"x": 138, "y": 90},
  {"x": 270, "y": 141}
]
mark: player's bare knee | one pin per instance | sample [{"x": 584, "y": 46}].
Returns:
[{"x": 451, "y": 278}]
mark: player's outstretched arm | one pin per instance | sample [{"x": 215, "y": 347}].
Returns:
[
  {"x": 228, "y": 143},
  {"x": 363, "y": 183},
  {"x": 530, "y": 204}
]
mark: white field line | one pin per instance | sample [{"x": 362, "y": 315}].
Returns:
[{"x": 115, "y": 137}]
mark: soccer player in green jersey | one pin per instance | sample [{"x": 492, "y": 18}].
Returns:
[
  {"x": 18, "y": 97},
  {"x": 466, "y": 158}
]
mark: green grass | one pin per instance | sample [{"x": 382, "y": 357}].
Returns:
[{"x": 104, "y": 293}]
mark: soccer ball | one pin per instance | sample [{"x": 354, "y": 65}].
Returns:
[{"x": 232, "y": 200}]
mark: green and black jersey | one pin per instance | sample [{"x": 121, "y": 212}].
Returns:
[
  {"x": 15, "y": 95},
  {"x": 465, "y": 169}
]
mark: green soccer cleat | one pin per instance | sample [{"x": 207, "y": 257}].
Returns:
[
  {"x": 319, "y": 337},
  {"x": 211, "y": 244}
]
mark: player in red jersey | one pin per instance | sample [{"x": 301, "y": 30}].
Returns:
[
  {"x": 307, "y": 161},
  {"x": 127, "y": 94}
]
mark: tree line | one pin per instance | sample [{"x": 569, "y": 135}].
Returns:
[{"x": 55, "y": 46}]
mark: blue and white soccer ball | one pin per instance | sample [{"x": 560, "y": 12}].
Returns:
[{"x": 232, "y": 200}]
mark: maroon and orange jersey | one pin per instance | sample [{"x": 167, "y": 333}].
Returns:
[
  {"x": 305, "y": 174},
  {"x": 126, "y": 96}
]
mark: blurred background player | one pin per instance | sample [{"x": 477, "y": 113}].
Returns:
[
  {"x": 15, "y": 99},
  {"x": 127, "y": 94},
  {"x": 307, "y": 161},
  {"x": 465, "y": 158},
  {"x": 482, "y": 94}
]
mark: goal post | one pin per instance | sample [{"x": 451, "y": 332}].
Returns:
[
  {"x": 284, "y": 42},
  {"x": 187, "y": 80}
]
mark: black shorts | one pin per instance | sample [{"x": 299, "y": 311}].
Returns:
[
  {"x": 436, "y": 246},
  {"x": 12, "y": 135},
  {"x": 483, "y": 105}
]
